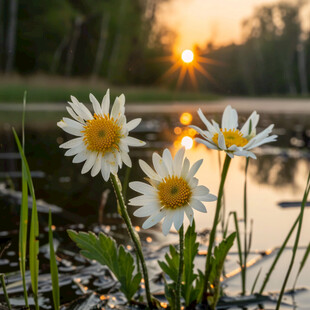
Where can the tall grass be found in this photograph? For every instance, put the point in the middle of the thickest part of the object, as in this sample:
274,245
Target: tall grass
53,265
295,248
23,226
34,228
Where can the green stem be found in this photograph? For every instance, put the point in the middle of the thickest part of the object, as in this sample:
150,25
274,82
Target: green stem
215,222
245,217
5,293
181,263
134,236
295,248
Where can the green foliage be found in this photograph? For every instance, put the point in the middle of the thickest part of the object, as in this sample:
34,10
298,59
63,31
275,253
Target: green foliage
192,283
302,264
23,225
34,228
53,265
217,264
2,281
104,250
190,292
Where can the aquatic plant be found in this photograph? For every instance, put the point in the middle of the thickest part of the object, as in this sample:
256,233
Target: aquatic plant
173,191
233,142
103,143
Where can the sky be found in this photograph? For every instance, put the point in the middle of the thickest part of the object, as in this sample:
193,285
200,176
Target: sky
197,21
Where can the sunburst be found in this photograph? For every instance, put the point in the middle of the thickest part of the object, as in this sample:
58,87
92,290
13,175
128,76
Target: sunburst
188,63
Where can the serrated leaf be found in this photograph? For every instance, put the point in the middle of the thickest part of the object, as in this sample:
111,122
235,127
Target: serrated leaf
190,252
104,250
171,266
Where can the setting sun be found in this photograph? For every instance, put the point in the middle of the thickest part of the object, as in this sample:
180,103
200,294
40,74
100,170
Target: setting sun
187,142
187,56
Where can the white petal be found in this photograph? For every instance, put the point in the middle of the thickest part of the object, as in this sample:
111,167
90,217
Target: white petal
153,219
89,162
96,105
105,170
142,188
193,182
159,166
198,205
142,200
167,158
116,109
208,198
97,166
178,161
221,141
190,214
200,191
245,153
70,130
84,112
146,210
126,159
185,168
75,150
105,105
194,169
254,118
230,118
207,144
148,170
133,123
178,218
80,157
206,122
75,116
133,141
168,222
71,143
74,124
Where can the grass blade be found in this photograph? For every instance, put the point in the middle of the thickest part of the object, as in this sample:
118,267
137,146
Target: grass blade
255,281
5,293
302,264
268,274
23,226
295,248
241,263
53,265
34,228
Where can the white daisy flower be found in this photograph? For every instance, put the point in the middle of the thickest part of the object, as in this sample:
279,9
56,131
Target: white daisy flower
102,138
173,190
229,138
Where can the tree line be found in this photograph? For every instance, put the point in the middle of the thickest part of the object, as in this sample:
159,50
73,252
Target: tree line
120,40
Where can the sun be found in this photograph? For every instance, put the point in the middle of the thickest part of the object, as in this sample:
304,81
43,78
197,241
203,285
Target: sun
187,56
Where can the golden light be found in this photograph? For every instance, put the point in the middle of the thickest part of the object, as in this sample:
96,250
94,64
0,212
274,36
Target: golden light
187,142
187,56
186,118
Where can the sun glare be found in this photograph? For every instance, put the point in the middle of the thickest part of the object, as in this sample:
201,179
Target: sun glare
187,56
186,118
187,142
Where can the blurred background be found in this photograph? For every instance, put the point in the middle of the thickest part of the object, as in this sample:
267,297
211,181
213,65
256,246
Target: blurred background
240,47
169,58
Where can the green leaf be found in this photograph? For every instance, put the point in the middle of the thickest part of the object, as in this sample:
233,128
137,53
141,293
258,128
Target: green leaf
171,266
34,228
302,264
217,264
23,225
53,265
104,250
190,252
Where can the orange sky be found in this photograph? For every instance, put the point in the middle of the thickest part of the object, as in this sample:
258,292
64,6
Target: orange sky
197,21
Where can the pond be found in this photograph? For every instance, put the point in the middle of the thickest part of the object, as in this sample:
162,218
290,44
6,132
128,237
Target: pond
276,181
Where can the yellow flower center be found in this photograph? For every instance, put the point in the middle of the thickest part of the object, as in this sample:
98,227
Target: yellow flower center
101,134
232,137
174,192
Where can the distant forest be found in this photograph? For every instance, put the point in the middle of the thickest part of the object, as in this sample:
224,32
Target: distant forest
120,40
